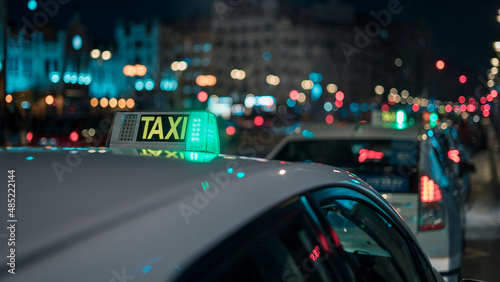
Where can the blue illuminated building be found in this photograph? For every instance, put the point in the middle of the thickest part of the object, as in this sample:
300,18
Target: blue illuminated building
33,62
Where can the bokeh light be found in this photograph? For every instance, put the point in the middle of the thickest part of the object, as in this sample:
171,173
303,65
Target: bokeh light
130,103
307,84
329,119
230,130
339,96
103,102
379,89
302,97
331,88
258,120
328,106
49,99
202,96
440,65
113,102
494,62
73,136
122,103
398,62
106,55
294,95
95,53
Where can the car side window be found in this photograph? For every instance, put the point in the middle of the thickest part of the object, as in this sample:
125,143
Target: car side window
376,250
268,250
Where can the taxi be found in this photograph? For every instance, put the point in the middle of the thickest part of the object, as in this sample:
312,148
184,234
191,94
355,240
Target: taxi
407,165
162,204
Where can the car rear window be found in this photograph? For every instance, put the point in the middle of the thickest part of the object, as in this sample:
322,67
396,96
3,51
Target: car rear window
386,165
352,153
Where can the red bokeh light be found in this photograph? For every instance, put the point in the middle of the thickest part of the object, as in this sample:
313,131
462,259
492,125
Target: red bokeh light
462,79
454,155
294,95
385,108
329,119
230,130
440,65
494,93
339,103
365,154
471,108
489,97
415,107
258,120
486,113
463,108
202,96
29,136
448,108
73,136
461,99
483,100
339,95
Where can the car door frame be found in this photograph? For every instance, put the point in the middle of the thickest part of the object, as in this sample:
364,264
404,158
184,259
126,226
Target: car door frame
294,204
385,210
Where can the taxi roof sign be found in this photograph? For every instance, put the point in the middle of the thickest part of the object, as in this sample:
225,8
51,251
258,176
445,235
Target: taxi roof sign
186,131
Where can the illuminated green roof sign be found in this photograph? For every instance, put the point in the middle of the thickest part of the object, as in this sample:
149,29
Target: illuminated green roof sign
187,131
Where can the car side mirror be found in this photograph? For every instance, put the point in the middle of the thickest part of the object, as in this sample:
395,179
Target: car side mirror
467,167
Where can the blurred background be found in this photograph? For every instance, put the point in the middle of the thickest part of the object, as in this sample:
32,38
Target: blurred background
266,68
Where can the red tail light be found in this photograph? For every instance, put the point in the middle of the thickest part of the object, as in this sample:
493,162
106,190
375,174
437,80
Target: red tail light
365,154
431,210
454,155
429,191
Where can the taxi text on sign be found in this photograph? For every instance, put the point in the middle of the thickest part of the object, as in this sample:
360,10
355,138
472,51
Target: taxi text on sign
166,128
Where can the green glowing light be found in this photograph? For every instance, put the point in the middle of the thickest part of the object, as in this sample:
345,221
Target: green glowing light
202,133
433,118
205,185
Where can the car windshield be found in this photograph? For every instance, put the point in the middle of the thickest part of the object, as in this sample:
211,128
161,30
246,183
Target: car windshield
352,153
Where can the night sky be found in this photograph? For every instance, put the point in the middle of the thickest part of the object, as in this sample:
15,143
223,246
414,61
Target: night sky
462,30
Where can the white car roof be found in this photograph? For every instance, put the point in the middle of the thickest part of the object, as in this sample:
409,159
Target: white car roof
77,209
